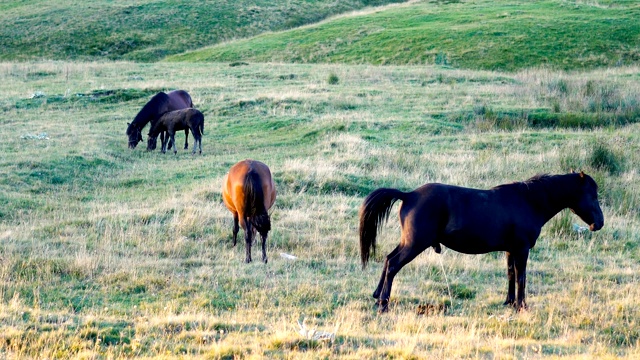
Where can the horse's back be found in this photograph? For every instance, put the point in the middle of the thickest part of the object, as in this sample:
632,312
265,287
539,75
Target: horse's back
233,191
180,119
179,99
468,220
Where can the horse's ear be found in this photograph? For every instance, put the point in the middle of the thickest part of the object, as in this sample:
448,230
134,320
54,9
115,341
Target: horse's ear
128,123
582,174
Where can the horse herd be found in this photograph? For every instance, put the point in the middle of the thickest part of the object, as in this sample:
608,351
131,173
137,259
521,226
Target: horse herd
506,218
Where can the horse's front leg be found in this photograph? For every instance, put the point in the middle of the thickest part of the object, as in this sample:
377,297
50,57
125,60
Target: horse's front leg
511,276
173,140
520,264
170,143
164,139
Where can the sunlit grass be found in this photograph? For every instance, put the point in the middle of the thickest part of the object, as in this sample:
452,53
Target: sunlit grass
108,252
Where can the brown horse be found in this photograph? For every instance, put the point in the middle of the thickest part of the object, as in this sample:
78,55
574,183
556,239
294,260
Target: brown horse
172,121
505,218
152,110
248,192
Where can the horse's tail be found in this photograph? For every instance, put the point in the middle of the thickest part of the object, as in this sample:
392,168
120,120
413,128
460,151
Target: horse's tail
201,124
373,213
254,202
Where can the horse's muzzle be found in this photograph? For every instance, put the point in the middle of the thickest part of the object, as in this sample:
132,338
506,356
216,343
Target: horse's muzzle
596,226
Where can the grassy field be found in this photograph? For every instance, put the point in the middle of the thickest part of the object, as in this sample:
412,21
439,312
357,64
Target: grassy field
147,30
474,34
113,253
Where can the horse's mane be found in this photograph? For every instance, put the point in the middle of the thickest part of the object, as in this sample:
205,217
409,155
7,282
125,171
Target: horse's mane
538,179
148,110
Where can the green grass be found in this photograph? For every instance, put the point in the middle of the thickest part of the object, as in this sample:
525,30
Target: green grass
113,253
146,30
474,34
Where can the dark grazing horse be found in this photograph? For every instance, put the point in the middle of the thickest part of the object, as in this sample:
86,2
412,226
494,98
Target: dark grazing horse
172,121
505,218
159,104
248,192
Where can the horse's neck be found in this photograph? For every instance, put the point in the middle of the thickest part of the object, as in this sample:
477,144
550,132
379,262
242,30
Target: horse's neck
141,120
155,129
554,195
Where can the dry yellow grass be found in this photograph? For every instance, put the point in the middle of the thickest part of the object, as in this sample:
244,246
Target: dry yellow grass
112,253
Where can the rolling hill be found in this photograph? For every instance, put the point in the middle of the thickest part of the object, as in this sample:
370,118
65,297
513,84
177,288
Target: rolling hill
465,34
146,30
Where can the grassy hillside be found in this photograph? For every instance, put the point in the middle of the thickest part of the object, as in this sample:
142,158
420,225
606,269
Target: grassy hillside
111,253
146,30
474,34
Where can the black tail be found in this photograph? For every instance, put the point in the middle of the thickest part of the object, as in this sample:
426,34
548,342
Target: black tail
254,203
373,213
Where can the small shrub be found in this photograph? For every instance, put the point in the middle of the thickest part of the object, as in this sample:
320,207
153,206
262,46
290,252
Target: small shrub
605,159
441,59
333,79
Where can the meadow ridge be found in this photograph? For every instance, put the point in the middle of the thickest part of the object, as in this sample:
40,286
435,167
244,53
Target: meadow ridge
476,34
113,253
147,30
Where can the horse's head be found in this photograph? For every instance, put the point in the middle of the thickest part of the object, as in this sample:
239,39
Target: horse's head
586,205
152,142
135,135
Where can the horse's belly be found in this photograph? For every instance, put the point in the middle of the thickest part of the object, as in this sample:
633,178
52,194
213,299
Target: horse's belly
472,243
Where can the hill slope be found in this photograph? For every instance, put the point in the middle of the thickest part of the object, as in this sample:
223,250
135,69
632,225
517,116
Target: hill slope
146,30
471,34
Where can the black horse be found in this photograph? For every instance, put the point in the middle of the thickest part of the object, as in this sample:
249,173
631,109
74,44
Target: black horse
172,121
152,110
506,218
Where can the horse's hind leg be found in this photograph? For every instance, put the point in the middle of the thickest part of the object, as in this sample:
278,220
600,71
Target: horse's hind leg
376,293
236,228
511,276
263,235
406,253
186,138
198,140
248,233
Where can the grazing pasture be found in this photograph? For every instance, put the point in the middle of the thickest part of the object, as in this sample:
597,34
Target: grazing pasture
109,252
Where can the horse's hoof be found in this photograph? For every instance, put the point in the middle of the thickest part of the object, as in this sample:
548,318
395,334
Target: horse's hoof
510,302
383,306
522,307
